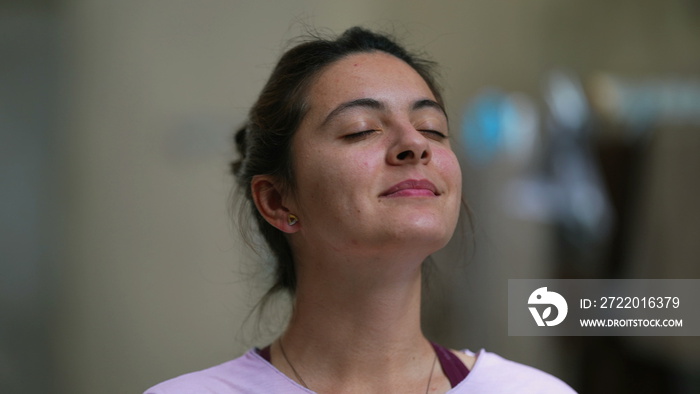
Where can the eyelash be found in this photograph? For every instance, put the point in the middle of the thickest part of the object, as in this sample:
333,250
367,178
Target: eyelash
359,135
440,135
366,133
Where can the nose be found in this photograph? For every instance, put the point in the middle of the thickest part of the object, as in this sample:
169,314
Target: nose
409,147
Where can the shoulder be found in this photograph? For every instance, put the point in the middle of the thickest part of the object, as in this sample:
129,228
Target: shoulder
246,374
492,373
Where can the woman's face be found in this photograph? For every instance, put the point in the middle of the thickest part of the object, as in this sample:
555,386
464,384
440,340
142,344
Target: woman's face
373,166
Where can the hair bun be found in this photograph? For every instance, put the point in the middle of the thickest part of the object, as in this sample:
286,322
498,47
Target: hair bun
241,145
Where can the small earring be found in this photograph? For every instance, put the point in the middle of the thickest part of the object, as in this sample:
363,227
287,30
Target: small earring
292,219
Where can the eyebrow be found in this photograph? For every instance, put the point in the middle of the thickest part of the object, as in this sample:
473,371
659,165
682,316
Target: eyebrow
427,103
377,105
363,102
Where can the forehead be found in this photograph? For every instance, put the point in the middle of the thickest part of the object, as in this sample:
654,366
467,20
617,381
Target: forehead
377,75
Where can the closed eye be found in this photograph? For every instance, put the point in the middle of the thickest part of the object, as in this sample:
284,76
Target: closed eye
434,134
359,135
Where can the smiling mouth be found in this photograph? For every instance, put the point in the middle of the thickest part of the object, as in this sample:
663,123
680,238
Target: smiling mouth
412,188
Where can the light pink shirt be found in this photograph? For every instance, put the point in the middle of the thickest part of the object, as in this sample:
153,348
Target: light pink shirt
250,373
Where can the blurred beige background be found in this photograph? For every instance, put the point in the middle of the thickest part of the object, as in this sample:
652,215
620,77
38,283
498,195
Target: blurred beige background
142,275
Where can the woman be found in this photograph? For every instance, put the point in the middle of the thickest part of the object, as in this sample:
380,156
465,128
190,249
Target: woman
348,165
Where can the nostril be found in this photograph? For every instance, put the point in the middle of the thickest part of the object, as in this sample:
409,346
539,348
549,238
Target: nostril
424,155
404,155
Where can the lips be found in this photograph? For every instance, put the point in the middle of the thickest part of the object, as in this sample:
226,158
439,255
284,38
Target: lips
412,188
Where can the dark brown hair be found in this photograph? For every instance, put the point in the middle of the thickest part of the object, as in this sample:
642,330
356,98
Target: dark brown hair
264,142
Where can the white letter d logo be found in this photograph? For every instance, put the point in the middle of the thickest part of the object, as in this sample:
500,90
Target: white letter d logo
543,297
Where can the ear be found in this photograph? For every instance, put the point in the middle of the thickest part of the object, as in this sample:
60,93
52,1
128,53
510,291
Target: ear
269,200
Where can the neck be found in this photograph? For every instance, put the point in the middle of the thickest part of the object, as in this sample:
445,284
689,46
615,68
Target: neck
356,326
363,314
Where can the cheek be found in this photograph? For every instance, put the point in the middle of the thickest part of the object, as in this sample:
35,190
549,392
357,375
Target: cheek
330,178
447,163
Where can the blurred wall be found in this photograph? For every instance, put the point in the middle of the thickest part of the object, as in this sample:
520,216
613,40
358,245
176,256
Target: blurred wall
27,89
152,278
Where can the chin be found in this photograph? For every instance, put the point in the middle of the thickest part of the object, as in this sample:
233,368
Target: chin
430,236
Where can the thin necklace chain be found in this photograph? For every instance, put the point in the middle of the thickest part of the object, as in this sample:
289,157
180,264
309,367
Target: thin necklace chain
284,354
290,364
432,369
